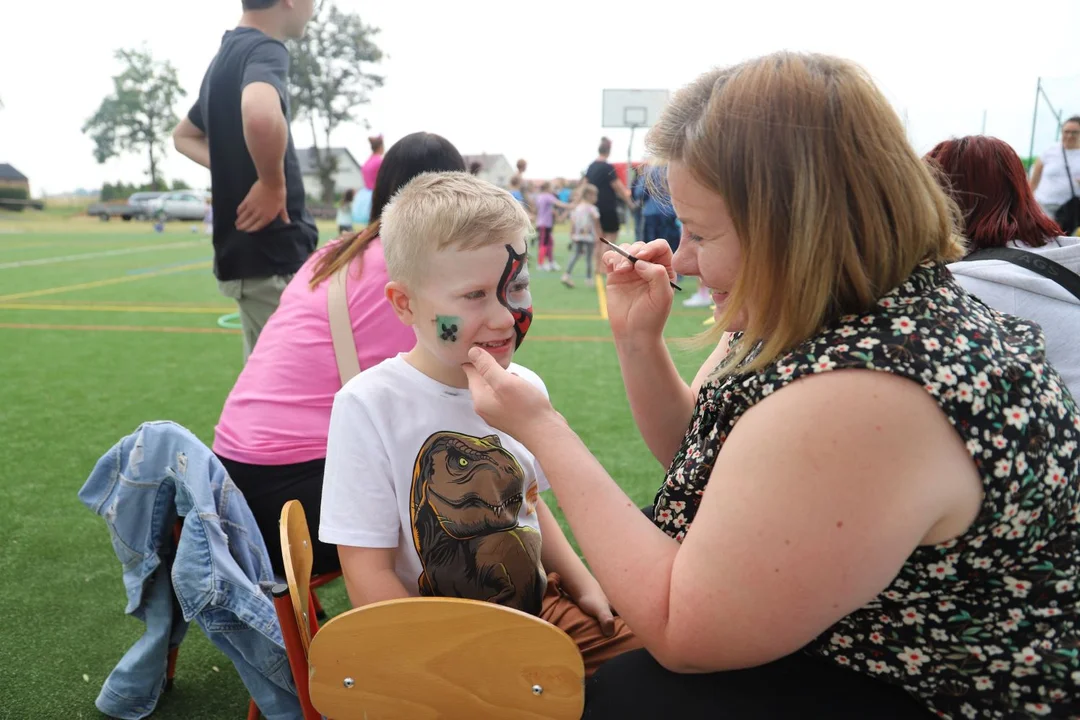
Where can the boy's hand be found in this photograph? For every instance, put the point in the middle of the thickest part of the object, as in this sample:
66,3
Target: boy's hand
595,603
504,400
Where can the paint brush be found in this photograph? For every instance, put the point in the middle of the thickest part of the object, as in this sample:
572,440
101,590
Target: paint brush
631,258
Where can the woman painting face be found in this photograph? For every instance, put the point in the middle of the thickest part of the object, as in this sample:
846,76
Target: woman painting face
710,248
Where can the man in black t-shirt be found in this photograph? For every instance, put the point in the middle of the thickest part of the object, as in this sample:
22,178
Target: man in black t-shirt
609,187
239,129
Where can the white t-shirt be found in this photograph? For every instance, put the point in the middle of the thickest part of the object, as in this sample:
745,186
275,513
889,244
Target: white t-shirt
1054,184
582,223
1021,292
410,465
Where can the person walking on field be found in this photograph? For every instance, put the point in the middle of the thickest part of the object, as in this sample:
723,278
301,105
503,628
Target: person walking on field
601,174
239,129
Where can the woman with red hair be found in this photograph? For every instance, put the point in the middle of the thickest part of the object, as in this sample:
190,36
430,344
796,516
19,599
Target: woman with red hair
985,177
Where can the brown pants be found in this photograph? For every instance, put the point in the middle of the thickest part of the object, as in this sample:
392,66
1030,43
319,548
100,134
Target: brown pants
596,648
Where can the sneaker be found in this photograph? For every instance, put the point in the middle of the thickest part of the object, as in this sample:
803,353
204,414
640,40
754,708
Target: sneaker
567,281
697,300
554,265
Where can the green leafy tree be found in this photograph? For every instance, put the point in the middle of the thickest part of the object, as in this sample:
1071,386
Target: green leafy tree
328,81
138,115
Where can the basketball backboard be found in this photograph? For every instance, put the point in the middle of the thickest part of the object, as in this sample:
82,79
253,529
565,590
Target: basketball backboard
633,108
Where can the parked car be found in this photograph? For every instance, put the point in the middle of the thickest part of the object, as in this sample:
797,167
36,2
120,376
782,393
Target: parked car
178,205
141,199
121,209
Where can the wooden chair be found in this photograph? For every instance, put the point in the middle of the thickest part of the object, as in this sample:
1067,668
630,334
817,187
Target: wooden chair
421,657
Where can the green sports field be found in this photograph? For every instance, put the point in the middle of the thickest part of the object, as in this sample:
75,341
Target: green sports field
106,325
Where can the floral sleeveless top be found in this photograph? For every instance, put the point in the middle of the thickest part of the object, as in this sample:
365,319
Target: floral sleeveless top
984,625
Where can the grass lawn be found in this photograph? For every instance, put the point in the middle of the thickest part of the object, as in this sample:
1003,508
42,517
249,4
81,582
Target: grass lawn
106,325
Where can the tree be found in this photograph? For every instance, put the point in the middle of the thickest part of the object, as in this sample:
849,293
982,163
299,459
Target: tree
327,81
138,116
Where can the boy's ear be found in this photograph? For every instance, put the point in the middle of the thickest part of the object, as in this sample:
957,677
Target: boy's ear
398,295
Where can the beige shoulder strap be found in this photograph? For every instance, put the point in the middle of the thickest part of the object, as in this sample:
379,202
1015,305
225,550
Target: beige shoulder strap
341,332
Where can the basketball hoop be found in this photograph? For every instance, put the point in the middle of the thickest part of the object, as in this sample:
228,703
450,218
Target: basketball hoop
632,109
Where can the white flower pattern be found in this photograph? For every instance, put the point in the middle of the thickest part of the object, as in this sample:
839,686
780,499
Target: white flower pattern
994,595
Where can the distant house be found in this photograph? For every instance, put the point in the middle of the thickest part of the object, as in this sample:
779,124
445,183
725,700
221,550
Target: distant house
12,178
496,169
347,176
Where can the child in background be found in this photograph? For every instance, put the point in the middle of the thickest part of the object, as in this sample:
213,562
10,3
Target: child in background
421,495
584,231
546,202
566,193
344,213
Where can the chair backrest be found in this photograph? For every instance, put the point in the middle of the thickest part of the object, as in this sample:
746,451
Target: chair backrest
297,557
444,657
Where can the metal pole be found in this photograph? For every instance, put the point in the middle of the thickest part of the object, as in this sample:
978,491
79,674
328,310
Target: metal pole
983,132
1034,119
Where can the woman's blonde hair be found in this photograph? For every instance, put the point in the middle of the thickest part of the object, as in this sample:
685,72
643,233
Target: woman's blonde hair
832,206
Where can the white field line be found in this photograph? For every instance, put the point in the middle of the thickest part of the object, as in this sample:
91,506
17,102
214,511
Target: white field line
103,253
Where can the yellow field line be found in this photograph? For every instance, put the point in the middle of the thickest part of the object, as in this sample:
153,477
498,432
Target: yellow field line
189,310
103,283
119,308
224,331
601,296
89,304
120,328
26,246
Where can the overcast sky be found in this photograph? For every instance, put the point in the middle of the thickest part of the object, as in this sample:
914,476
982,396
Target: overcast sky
526,80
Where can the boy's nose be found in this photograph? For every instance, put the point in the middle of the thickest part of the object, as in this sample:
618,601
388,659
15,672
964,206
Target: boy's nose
501,319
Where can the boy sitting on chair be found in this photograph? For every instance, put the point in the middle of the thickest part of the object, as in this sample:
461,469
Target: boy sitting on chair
420,495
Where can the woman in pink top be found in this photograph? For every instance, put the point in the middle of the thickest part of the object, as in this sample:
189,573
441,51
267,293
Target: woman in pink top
371,166
272,433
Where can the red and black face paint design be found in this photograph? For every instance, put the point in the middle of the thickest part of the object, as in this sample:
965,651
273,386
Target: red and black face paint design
513,292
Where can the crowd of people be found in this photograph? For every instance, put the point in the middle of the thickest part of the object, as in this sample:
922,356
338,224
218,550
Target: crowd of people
868,494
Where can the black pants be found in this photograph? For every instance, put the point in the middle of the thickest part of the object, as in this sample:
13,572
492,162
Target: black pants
268,487
634,685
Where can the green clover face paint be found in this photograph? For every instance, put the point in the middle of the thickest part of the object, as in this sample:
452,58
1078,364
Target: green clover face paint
447,327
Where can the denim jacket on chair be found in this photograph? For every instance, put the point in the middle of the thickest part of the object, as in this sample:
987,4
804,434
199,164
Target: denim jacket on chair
220,575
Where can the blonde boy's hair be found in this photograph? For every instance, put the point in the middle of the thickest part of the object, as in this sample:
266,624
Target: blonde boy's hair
590,193
832,206
446,210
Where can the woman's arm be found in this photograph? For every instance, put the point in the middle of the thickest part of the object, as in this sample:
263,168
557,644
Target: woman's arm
1036,174
813,505
622,192
660,400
